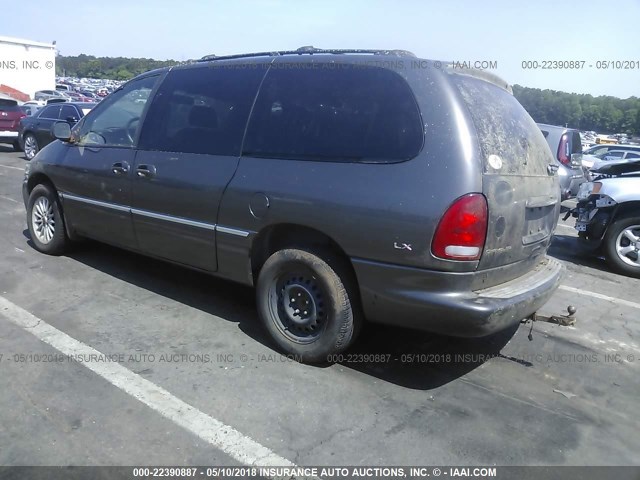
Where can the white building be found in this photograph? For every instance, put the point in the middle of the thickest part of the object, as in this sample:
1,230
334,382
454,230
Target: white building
26,66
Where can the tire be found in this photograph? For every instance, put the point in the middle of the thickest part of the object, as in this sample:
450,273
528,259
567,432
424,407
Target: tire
45,221
16,147
321,282
31,147
621,245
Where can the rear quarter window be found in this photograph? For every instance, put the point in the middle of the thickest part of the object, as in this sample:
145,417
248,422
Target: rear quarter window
361,114
504,128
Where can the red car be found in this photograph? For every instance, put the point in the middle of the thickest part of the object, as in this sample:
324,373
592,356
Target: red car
10,115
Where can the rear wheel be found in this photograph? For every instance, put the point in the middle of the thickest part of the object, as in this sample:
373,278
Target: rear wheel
307,302
44,220
31,146
622,245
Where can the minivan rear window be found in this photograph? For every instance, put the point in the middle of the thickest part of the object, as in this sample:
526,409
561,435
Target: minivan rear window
351,113
504,128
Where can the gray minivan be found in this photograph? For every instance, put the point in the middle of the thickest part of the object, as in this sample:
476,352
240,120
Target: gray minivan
566,145
344,185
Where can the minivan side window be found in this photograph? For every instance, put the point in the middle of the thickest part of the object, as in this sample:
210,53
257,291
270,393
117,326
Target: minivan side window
115,121
350,113
202,110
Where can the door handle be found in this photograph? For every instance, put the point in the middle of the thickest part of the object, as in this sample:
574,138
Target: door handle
120,168
145,171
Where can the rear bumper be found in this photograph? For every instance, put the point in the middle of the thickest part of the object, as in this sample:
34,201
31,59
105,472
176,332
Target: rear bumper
438,302
8,136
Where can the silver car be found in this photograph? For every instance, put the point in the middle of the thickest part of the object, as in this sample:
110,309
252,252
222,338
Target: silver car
608,215
49,94
566,148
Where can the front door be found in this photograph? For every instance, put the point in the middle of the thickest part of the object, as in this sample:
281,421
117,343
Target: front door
95,178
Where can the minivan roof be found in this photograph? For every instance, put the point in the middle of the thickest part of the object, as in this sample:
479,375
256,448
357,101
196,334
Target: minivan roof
310,50
385,53
352,54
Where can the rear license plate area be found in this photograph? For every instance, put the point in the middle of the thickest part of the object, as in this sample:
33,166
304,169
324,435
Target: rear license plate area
539,223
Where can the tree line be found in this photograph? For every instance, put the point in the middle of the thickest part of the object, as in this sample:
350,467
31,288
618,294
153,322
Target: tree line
113,68
604,114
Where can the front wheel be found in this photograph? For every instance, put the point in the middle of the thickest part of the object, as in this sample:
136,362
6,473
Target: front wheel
307,301
45,222
31,146
622,246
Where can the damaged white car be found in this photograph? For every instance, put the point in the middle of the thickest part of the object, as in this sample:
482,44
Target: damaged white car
608,215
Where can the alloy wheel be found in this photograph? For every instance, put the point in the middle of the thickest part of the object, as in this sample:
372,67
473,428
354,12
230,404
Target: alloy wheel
43,220
628,245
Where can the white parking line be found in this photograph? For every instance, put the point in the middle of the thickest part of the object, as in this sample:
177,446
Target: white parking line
4,197
227,439
14,168
619,301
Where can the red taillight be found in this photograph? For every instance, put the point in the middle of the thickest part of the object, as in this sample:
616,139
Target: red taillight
564,156
462,230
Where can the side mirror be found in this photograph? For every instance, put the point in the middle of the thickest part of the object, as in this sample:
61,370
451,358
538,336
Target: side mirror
61,131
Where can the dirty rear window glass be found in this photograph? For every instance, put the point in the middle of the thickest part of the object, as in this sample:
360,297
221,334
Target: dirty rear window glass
504,128
335,114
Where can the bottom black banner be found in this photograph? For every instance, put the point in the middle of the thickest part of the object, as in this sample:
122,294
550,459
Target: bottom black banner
327,472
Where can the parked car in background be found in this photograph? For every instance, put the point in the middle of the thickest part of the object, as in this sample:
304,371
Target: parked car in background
35,131
48,94
608,215
58,100
596,161
30,109
605,140
62,87
78,97
566,147
239,171
90,95
599,149
10,116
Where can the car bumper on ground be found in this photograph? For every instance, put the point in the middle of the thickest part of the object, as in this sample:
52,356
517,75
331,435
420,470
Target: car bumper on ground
8,136
592,223
429,300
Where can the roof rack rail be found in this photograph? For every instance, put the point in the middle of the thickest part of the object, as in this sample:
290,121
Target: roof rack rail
309,50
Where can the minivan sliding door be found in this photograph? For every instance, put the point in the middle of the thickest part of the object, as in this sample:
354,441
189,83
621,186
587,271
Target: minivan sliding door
189,151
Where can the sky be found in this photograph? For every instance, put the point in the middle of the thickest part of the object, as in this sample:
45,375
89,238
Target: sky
506,32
